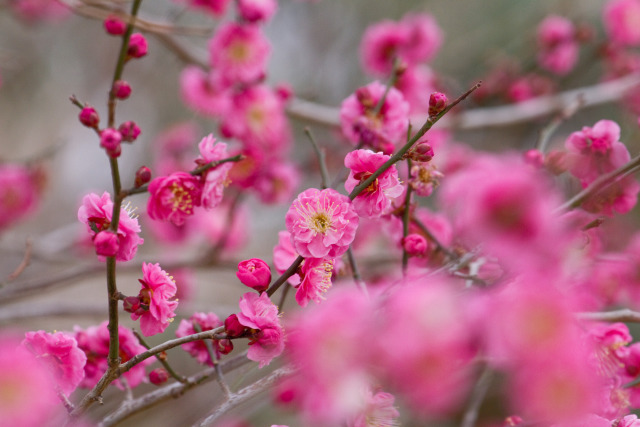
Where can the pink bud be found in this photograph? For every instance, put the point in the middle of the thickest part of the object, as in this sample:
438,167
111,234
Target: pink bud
437,103
255,274
421,152
224,346
114,25
106,243
233,327
415,245
512,421
131,304
284,91
137,46
158,376
89,117
143,175
129,131
534,158
121,89
110,140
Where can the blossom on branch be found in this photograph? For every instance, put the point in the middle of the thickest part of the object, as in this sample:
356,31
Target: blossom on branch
174,197
215,178
198,349
157,303
260,315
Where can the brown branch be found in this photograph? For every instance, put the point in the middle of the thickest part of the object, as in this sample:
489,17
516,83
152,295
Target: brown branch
623,315
25,261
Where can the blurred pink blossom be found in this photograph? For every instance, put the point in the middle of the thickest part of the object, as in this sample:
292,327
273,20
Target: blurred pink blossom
198,349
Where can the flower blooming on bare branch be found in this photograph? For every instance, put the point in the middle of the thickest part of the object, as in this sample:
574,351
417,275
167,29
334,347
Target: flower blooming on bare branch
157,300
322,223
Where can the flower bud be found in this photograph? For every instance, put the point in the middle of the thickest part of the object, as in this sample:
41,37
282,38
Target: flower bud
121,89
255,274
143,175
131,304
110,140
158,376
106,243
129,131
89,117
114,25
421,152
534,158
437,103
137,46
415,245
224,346
233,327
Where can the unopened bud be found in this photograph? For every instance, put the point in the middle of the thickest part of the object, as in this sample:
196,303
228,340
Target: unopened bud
421,152
106,243
121,89
131,304
415,245
254,273
137,46
129,131
89,117
224,346
143,176
534,158
233,327
437,103
114,25
110,140
158,376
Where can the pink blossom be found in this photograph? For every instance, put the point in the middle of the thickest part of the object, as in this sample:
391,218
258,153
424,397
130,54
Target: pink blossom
114,25
415,244
254,273
19,193
257,10
157,297
260,314
376,199
425,38
60,353
257,118
322,223
22,377
215,8
380,130
284,254
40,10
94,341
95,212
415,83
174,197
424,178
198,349
621,18
557,44
277,181
380,46
158,376
629,421
315,274
239,52
138,46
378,411
215,179
203,92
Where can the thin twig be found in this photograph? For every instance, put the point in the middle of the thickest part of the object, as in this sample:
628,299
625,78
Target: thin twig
477,397
356,273
214,360
623,315
433,238
160,359
321,158
246,394
405,223
562,116
293,269
603,181
25,261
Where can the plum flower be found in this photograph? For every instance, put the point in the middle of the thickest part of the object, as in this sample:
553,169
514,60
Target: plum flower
173,198
156,297
376,199
239,52
284,254
60,353
198,349
558,46
203,92
261,315
18,193
378,128
95,213
215,178
621,19
322,223
315,276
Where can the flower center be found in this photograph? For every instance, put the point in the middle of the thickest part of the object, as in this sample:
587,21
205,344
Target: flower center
181,199
320,222
239,51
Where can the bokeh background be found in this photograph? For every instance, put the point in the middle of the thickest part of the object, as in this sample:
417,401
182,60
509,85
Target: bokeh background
315,50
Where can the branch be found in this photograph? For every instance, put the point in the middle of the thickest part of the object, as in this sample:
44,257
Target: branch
623,315
24,263
601,93
246,394
477,396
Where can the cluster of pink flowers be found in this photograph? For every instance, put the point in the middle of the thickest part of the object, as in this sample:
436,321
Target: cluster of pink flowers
198,349
557,44
174,197
96,213
19,193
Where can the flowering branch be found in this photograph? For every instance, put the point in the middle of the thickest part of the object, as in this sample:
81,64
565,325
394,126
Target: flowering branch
623,315
432,120
246,394
293,268
212,355
162,360
604,181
